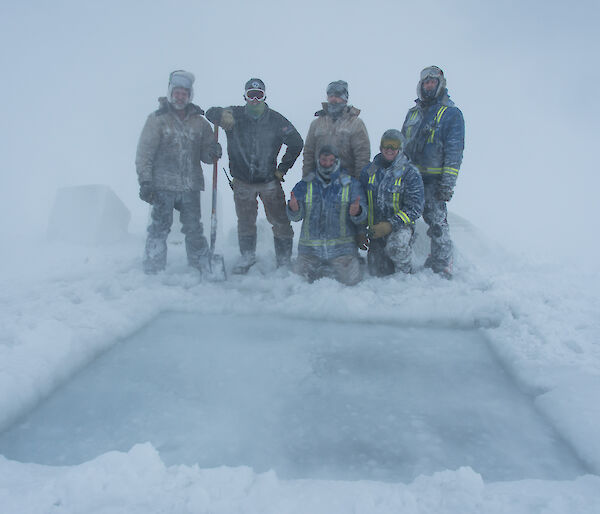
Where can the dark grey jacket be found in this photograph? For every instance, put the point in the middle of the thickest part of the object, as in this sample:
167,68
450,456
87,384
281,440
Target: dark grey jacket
170,150
254,143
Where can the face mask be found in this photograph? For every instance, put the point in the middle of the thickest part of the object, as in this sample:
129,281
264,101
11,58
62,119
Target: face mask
325,173
255,110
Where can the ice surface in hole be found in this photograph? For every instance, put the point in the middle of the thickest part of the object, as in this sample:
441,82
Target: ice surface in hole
309,399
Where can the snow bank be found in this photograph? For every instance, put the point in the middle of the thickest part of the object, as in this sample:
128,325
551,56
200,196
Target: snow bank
59,311
139,482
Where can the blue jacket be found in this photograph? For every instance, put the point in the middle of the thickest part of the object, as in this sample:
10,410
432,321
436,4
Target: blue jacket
435,139
328,230
395,193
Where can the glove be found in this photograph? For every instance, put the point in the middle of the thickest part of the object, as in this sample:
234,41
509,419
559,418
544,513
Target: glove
362,241
227,120
380,229
215,152
280,173
444,194
147,192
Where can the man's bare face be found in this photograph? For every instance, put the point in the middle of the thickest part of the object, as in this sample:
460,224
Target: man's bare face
326,160
180,97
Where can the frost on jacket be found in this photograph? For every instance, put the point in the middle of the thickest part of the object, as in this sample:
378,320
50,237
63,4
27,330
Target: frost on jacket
347,134
435,139
328,230
170,150
394,193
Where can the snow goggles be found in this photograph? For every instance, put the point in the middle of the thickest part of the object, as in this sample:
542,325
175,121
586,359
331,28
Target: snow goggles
432,72
254,94
390,145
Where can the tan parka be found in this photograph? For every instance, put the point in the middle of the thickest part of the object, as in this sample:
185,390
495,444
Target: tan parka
347,133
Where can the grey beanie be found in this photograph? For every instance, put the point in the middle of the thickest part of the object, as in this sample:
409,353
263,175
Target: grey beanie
393,135
181,78
338,88
329,150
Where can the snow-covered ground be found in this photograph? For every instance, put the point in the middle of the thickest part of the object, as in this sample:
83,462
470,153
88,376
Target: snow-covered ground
64,305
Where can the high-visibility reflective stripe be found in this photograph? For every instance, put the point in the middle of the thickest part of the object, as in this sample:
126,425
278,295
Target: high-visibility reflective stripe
308,197
451,171
411,118
326,242
437,119
430,171
439,114
404,217
370,215
396,196
344,209
307,209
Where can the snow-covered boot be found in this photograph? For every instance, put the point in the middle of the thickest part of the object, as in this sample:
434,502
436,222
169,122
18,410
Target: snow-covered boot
442,269
155,255
283,251
248,257
244,263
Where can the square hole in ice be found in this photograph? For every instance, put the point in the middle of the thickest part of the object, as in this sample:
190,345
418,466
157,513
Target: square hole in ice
309,399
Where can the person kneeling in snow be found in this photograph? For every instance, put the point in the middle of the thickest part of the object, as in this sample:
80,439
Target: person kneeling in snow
331,204
395,201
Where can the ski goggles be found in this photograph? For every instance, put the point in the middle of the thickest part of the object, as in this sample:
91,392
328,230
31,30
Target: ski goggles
254,94
390,145
432,72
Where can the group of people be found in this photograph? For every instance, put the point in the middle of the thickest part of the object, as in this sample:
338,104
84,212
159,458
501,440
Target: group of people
345,201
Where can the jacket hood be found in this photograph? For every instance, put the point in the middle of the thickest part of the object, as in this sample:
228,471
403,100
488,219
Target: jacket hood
443,99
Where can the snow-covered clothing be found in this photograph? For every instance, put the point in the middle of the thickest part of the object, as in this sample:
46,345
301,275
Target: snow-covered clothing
170,150
347,133
253,144
344,269
435,215
168,164
435,139
188,204
328,230
435,134
395,195
394,192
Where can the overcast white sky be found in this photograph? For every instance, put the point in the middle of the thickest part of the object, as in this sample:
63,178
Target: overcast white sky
80,77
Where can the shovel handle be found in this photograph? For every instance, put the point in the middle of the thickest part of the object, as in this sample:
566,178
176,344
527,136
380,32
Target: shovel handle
213,213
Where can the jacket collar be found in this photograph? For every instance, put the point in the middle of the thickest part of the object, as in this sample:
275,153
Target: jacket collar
396,168
350,111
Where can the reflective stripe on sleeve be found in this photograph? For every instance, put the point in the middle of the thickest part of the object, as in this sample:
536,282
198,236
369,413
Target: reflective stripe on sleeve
344,209
450,171
370,214
307,209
